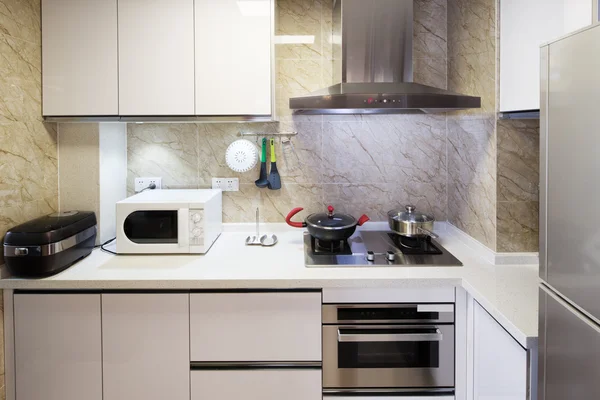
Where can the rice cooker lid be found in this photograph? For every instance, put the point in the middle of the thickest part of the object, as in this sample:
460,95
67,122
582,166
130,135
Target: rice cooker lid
50,228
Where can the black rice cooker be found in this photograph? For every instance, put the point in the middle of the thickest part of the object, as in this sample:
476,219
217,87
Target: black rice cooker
48,245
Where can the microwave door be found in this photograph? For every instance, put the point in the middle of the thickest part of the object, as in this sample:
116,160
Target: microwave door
156,232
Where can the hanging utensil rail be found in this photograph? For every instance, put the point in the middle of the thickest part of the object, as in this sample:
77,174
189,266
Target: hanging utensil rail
288,134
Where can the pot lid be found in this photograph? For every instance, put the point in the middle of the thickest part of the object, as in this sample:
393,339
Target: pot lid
330,220
410,215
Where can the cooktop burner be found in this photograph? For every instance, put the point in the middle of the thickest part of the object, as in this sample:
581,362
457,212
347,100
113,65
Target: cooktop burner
416,245
377,248
329,247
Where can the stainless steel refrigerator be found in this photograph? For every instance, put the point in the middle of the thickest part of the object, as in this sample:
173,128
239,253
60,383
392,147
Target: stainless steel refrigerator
569,343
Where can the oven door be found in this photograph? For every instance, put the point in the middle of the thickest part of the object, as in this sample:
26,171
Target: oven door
388,357
153,230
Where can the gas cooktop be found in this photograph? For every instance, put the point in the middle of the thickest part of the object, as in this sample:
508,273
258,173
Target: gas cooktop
378,249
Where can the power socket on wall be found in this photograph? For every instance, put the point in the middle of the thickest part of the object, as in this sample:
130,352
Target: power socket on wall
143,183
226,184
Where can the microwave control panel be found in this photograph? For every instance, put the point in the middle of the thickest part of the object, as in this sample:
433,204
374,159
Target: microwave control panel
196,227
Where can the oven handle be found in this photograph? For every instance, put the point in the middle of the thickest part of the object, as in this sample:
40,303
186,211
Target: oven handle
389,337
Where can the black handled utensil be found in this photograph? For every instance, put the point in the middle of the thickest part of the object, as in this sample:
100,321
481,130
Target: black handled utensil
262,180
274,178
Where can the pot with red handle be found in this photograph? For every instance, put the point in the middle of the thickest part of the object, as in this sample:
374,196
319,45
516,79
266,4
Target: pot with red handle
327,226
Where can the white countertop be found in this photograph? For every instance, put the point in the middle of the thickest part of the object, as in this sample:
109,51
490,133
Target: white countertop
508,292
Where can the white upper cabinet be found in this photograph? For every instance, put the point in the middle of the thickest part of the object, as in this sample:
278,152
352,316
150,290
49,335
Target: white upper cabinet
156,57
233,57
79,58
524,26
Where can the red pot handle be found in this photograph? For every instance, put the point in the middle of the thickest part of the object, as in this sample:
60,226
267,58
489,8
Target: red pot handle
363,219
289,221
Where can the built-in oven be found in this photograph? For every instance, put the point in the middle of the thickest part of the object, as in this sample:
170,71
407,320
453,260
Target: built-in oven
388,348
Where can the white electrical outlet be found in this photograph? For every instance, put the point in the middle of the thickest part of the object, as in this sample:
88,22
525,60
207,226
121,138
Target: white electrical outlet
143,183
226,184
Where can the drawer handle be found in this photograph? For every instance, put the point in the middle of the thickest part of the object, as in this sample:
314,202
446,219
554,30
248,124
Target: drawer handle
244,365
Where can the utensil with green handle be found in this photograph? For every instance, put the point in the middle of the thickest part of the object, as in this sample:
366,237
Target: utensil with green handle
274,178
262,180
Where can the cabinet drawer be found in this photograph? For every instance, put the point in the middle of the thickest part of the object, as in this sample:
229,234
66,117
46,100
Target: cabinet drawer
256,384
255,326
432,397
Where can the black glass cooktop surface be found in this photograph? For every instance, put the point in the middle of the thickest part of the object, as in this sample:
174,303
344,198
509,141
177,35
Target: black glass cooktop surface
377,248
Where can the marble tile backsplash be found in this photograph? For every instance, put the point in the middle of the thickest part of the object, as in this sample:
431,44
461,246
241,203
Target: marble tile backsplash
493,165
518,185
472,133
371,164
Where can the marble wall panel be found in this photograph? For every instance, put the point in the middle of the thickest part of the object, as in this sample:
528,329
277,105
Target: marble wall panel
301,18
471,27
79,187
169,151
274,205
387,149
518,160
518,226
472,177
472,147
21,19
518,185
430,33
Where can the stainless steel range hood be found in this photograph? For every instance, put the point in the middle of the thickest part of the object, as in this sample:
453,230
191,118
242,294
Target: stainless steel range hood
372,52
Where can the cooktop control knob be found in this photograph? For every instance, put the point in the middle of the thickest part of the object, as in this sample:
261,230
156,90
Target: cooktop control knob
370,256
196,217
391,257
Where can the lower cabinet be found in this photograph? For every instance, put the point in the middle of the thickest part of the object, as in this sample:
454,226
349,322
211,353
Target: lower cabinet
58,347
500,364
146,346
268,384
121,346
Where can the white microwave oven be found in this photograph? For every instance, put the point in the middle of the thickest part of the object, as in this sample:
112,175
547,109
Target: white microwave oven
169,222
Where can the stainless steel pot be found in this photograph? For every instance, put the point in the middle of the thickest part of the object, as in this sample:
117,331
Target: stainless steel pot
410,223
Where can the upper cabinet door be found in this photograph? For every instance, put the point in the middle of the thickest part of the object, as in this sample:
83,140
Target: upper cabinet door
524,26
79,58
156,57
233,57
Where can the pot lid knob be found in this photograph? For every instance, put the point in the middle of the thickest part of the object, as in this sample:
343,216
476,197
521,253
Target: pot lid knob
410,209
330,211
